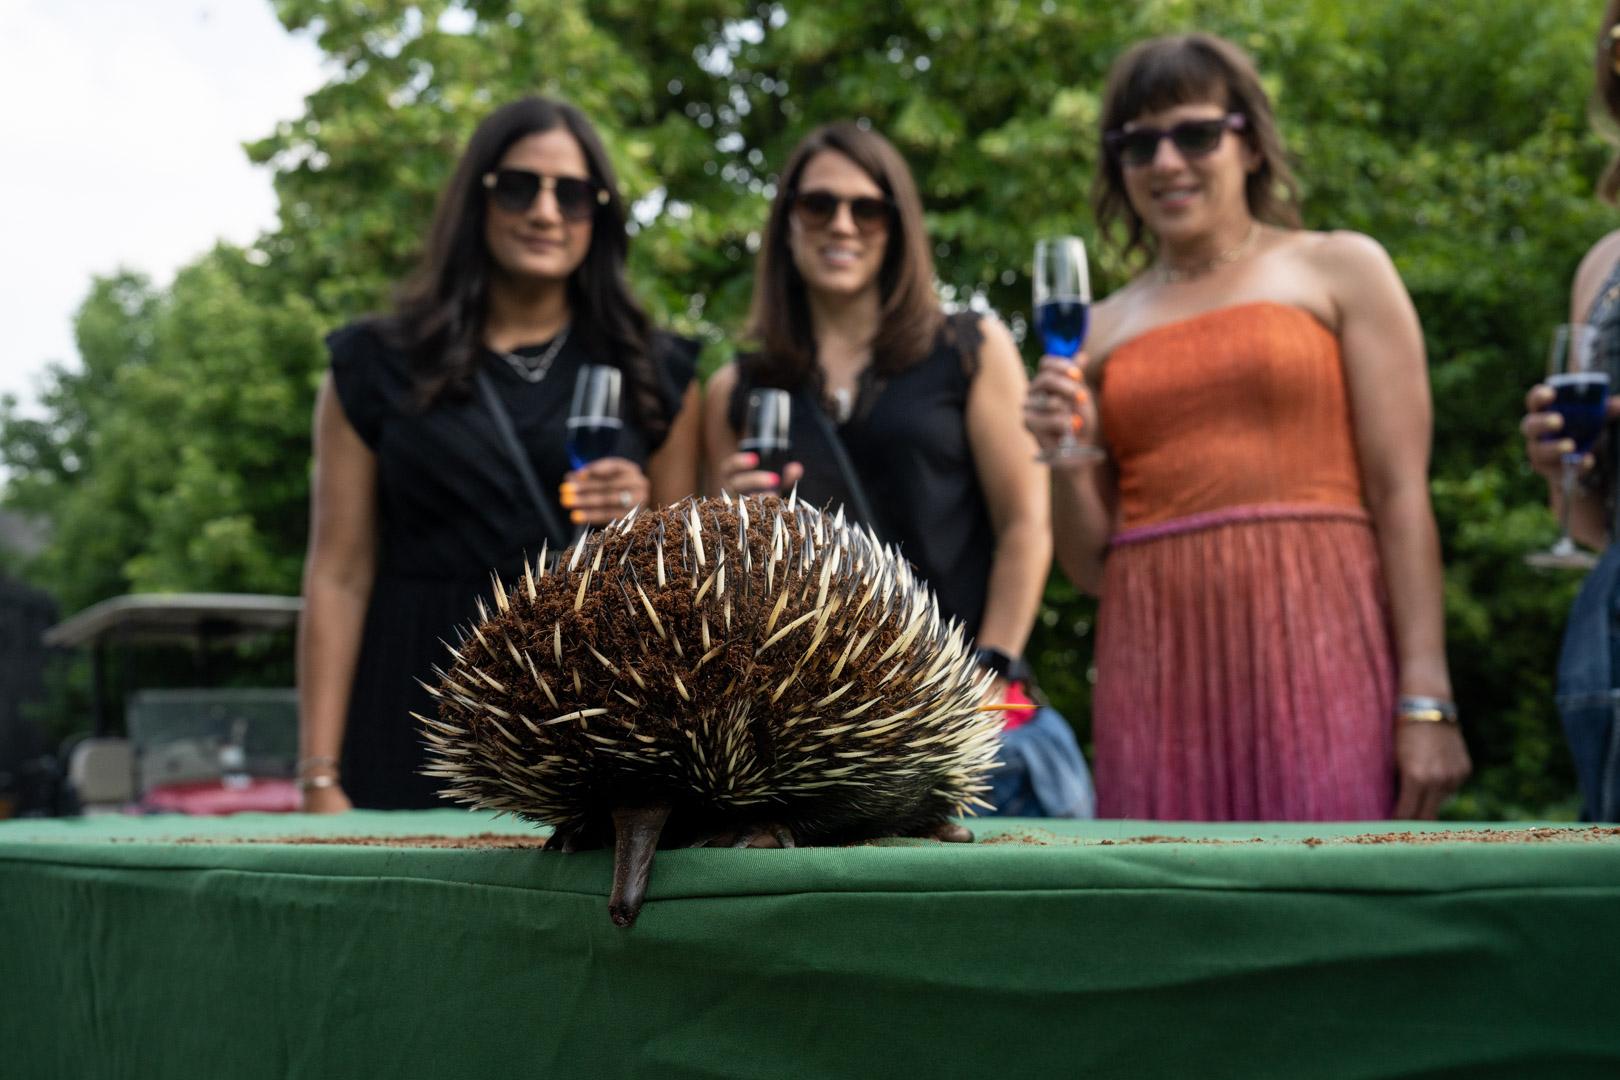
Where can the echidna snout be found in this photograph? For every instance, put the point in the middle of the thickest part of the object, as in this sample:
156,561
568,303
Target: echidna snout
750,668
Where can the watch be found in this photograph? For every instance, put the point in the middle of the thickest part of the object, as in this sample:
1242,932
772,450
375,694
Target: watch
1011,668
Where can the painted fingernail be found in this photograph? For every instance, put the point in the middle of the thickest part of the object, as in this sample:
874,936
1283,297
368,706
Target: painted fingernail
567,498
752,459
577,517
773,479
1555,422
1078,424
1081,396
1566,446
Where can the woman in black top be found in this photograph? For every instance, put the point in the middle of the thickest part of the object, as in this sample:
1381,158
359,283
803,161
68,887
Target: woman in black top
418,496
926,406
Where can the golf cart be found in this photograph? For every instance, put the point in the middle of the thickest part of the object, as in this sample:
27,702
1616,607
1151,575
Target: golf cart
204,749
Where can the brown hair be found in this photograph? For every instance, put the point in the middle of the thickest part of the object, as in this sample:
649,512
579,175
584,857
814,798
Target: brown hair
779,316
1606,100
1180,69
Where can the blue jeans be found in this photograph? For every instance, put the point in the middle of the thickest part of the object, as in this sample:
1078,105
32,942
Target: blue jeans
1589,688
1040,771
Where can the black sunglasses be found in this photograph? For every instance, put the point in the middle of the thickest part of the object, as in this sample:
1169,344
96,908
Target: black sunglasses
816,209
514,190
1192,138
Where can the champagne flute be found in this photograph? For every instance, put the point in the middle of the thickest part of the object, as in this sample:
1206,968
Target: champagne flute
594,418
1062,309
1581,387
765,428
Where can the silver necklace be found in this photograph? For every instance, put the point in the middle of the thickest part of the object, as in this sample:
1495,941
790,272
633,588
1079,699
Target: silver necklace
1170,275
534,371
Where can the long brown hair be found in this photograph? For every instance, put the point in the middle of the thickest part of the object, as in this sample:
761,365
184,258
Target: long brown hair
440,310
1606,100
779,317
1180,69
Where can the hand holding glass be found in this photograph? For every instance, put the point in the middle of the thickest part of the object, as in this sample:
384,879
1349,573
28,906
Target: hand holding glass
766,427
594,419
1062,310
1580,386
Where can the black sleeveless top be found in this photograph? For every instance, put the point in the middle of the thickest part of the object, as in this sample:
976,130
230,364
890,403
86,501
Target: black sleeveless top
451,508
907,441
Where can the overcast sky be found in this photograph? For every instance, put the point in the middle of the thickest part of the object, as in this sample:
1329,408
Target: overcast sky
121,145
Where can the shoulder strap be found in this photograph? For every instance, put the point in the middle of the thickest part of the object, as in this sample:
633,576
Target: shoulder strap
846,469
549,517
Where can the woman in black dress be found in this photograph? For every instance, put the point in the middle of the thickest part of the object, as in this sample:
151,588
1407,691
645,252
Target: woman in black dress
418,494
924,406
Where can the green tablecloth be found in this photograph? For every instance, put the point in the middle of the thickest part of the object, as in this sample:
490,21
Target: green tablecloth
124,953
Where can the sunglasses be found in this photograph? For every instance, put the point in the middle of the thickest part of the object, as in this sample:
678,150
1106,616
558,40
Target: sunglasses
816,209
1192,139
514,190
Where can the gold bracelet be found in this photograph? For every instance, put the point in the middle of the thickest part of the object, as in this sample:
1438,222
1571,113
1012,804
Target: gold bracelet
1425,716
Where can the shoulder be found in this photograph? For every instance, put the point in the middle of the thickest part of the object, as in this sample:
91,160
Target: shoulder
368,372
1354,279
677,355
723,381
1109,317
992,344
1341,252
1594,270
360,340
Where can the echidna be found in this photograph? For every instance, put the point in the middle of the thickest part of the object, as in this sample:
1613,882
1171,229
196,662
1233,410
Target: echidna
753,672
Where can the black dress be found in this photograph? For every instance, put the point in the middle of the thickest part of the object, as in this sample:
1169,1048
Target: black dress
907,441
452,508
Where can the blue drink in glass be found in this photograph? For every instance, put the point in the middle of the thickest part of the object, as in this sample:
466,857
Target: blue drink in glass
592,438
1062,326
1582,399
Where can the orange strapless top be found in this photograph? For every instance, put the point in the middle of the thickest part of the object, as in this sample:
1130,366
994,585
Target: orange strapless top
1242,406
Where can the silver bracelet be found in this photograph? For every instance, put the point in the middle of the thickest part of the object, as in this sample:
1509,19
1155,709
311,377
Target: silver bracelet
310,783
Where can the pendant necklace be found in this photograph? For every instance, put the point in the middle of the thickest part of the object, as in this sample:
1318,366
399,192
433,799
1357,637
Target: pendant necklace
535,369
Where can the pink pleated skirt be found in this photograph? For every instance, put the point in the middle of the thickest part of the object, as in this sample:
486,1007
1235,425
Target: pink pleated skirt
1245,670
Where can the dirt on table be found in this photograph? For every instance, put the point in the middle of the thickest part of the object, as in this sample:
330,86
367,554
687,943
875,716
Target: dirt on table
1535,835
488,841
491,841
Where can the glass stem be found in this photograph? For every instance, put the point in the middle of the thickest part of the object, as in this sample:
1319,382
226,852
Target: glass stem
1571,470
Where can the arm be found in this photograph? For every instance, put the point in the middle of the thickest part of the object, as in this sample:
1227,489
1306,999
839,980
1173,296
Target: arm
607,488
1085,494
673,470
1387,376
1014,488
1587,521
338,573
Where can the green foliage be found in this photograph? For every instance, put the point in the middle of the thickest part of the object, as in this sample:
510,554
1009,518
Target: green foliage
1455,134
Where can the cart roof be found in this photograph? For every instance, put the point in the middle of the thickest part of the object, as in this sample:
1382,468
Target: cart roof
178,617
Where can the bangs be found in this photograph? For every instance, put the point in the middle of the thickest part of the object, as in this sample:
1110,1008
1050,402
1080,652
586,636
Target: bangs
1164,74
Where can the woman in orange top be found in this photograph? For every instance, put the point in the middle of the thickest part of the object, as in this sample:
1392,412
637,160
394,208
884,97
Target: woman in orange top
1271,639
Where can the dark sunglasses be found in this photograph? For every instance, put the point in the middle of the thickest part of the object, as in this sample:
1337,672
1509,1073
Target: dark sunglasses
1192,139
514,190
816,209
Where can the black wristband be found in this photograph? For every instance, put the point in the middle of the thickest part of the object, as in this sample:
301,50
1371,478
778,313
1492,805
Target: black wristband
1011,668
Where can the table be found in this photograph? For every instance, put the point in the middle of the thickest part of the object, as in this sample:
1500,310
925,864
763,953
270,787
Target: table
186,947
